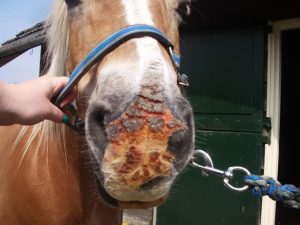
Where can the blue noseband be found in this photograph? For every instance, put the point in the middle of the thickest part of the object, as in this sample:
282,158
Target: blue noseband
109,44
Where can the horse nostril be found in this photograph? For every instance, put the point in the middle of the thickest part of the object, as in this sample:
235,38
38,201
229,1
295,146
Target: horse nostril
98,118
96,121
98,114
177,140
150,183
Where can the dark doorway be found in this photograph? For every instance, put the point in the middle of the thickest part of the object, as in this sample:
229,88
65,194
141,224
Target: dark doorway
289,160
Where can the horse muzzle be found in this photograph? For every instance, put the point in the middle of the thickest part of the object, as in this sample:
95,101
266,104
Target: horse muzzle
138,162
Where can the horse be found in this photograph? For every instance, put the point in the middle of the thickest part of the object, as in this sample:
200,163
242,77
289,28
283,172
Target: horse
138,126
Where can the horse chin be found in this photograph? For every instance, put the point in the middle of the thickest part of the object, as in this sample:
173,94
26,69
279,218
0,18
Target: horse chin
115,203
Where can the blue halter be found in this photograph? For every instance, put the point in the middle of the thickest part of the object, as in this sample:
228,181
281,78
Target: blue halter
109,44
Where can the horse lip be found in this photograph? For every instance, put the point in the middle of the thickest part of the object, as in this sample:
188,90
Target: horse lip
127,204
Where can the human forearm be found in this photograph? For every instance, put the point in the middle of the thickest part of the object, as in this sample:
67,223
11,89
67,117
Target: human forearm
28,103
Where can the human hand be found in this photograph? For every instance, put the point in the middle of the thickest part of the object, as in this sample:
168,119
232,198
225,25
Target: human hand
29,102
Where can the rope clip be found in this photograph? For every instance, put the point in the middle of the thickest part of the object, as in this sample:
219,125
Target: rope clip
209,169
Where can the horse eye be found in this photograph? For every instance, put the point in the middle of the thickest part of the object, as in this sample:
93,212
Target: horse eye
184,7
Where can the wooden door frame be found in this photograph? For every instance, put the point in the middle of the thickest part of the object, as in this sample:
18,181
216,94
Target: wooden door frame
273,109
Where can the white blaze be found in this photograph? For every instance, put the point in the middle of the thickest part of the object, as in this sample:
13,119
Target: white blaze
138,12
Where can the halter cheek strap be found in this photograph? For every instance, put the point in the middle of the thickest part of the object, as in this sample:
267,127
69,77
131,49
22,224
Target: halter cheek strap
109,44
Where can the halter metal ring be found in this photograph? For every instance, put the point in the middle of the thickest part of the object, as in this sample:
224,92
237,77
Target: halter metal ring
229,174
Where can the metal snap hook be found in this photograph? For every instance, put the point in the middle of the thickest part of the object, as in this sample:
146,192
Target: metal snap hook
208,169
207,160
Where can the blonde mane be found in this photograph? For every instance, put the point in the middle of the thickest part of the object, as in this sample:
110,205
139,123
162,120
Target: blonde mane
57,43
57,38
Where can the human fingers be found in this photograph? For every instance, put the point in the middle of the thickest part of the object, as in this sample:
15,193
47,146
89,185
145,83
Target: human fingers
57,85
69,98
54,114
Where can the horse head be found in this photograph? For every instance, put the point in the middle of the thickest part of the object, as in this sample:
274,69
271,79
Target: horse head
138,125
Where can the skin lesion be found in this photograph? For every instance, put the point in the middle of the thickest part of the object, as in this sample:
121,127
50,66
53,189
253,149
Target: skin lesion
138,140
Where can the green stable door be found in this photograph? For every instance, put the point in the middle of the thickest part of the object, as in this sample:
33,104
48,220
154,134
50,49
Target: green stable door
226,74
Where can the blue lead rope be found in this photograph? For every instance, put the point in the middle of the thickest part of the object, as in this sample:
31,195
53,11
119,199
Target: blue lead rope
261,186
